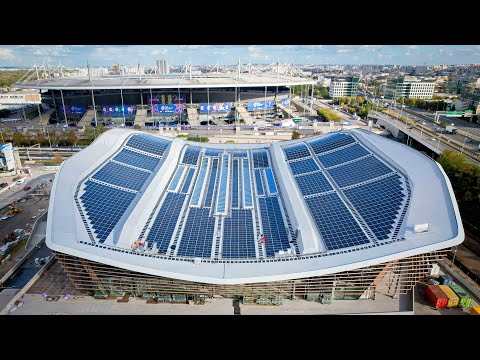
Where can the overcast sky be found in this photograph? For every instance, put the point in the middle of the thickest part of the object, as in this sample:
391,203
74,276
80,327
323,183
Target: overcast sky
129,55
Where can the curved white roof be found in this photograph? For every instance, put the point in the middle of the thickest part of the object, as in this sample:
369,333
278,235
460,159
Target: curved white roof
232,214
149,82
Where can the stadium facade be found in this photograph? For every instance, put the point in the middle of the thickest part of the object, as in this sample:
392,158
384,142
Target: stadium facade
153,99
333,214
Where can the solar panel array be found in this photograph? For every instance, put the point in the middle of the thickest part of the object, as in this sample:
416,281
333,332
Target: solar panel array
148,143
343,155
164,225
349,164
123,176
198,234
274,229
104,206
359,171
330,142
296,151
191,155
303,166
213,152
235,182
336,159
260,158
379,203
335,223
211,183
238,235
313,183
137,159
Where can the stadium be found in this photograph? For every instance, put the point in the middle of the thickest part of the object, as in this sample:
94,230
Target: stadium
331,215
153,100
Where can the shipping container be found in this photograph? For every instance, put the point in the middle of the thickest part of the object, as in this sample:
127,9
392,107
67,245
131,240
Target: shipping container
433,282
475,310
435,296
445,279
453,299
465,300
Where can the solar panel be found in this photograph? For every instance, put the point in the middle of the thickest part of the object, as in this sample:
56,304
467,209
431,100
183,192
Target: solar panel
296,151
303,166
272,187
104,206
163,227
343,155
378,203
136,159
260,158
335,223
274,228
259,182
314,183
247,186
239,235
176,178
188,180
222,188
197,191
148,143
211,183
330,142
198,234
213,152
191,155
235,184
359,171
239,154
121,175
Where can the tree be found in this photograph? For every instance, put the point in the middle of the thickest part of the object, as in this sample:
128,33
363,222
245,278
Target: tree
89,132
18,138
328,115
295,135
72,138
57,159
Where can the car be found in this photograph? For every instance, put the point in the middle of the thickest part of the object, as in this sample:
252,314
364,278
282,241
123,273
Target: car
26,188
471,141
20,181
2,185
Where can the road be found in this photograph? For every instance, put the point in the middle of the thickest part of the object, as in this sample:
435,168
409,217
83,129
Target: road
459,123
16,192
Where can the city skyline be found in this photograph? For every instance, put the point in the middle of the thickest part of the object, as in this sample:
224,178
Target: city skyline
131,55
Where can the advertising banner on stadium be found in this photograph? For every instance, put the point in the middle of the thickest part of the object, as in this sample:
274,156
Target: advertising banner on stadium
286,102
259,105
7,151
167,108
117,109
167,99
215,107
71,109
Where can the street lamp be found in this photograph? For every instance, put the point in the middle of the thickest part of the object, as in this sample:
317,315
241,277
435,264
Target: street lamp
463,145
440,139
421,131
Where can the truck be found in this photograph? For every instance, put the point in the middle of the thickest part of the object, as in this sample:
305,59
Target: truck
451,129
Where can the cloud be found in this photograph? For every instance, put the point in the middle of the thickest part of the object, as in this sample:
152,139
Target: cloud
370,48
413,47
55,50
192,47
314,47
6,54
256,53
343,51
158,52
